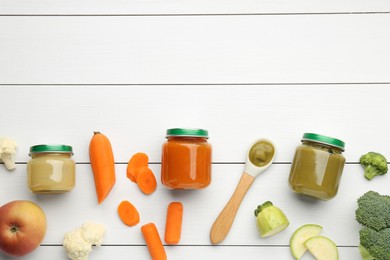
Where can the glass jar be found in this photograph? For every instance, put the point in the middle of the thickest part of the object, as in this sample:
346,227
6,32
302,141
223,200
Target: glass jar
317,166
51,169
186,159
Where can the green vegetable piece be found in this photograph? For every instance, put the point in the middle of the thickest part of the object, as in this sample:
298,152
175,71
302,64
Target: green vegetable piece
373,213
270,219
364,253
262,207
322,248
374,164
376,243
373,210
299,237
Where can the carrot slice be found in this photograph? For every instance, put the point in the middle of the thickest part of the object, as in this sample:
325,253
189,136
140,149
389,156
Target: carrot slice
173,223
103,165
138,160
128,213
146,180
153,241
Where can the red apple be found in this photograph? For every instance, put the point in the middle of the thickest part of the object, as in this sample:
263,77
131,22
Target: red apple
22,227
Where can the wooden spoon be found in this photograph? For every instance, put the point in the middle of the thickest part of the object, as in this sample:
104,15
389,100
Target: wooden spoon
259,157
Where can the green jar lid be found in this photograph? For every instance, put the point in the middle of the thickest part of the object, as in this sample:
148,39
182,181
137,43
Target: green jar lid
188,132
324,140
45,148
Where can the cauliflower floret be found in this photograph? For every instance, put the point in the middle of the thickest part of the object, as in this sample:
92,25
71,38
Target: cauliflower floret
75,245
78,243
93,233
7,152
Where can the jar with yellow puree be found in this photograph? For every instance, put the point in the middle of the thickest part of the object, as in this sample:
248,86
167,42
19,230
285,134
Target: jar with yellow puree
51,169
186,159
317,166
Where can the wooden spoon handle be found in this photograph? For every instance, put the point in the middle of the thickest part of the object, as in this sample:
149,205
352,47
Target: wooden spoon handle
224,221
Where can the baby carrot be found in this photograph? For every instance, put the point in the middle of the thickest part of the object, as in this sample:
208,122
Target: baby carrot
103,165
174,223
146,180
128,213
153,241
138,160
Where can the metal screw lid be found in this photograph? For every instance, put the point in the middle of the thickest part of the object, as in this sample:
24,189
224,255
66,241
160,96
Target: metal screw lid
324,140
45,148
189,132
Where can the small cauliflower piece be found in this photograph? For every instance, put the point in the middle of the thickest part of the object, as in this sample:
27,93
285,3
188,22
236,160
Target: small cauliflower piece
93,233
7,152
78,243
75,245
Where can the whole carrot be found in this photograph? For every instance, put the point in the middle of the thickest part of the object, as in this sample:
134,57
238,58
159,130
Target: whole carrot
103,165
153,241
173,223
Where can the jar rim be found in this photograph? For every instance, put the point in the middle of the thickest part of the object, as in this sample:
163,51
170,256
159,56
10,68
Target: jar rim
324,140
187,132
56,148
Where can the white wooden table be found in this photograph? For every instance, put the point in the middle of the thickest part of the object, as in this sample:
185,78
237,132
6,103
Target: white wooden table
240,69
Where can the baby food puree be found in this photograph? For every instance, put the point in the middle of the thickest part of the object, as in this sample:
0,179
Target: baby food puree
261,153
186,159
317,166
51,169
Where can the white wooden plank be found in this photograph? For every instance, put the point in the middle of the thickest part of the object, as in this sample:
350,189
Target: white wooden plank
177,253
68,211
275,42
171,50
136,118
188,6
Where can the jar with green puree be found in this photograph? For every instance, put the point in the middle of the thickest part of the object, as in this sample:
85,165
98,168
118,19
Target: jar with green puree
317,166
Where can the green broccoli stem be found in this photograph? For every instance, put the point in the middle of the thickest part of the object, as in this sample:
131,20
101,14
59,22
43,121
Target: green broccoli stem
364,253
370,172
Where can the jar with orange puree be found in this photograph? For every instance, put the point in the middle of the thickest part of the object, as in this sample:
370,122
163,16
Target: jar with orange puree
186,159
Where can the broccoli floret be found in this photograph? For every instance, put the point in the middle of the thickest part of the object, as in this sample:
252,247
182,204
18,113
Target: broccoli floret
373,213
373,210
374,164
375,243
